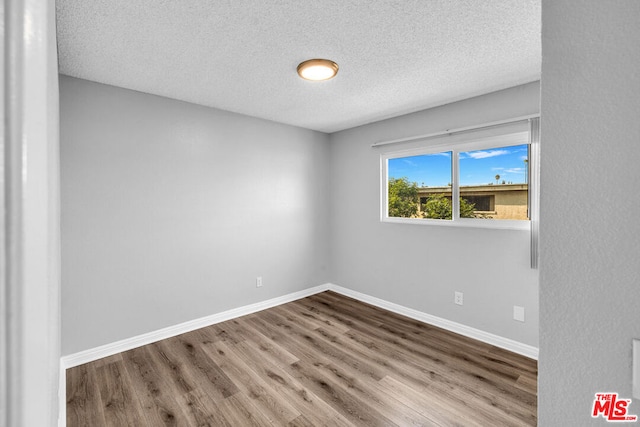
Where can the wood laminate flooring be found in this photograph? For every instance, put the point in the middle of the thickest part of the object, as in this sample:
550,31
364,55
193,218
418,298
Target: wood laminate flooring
323,360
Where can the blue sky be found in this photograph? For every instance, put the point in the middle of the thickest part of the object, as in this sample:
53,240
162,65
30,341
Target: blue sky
476,167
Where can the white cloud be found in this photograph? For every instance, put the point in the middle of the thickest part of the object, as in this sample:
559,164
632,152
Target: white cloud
515,170
486,154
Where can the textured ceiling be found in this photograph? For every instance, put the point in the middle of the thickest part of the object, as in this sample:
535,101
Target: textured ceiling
395,56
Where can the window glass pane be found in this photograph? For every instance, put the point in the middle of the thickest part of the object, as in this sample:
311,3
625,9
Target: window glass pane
494,183
420,186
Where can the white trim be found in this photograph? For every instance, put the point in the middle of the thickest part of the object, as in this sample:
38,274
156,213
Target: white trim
534,186
470,143
500,224
467,331
29,222
96,353
62,395
457,130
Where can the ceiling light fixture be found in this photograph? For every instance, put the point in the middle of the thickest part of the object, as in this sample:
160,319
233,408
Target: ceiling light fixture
317,69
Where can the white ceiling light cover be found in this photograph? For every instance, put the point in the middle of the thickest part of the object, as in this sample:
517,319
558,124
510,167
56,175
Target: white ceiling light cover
317,69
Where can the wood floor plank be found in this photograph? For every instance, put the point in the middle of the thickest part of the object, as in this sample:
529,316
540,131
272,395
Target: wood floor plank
107,360
398,324
306,402
420,402
240,410
322,360
301,421
339,397
229,331
308,319
265,345
320,345
202,411
157,395
457,370
208,374
455,364
370,391
171,366
84,407
119,400
275,409
421,372
289,334
528,383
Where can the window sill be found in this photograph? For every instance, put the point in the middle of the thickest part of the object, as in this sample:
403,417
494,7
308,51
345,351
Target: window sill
499,224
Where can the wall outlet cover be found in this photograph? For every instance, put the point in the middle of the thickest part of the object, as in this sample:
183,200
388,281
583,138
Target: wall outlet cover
518,313
458,298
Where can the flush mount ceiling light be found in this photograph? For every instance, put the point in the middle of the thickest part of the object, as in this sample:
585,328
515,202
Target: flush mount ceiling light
317,69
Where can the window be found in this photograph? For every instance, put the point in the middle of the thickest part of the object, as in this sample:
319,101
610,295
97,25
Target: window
481,203
410,176
508,196
482,182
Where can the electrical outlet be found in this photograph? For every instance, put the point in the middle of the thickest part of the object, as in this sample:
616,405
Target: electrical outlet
258,281
518,313
458,298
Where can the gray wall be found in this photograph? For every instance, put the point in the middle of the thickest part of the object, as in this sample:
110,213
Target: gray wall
171,210
590,237
421,266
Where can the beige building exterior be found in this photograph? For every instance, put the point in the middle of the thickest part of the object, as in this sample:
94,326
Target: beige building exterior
497,201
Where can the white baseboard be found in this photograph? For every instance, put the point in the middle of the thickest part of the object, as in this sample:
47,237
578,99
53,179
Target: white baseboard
127,344
458,328
62,396
148,338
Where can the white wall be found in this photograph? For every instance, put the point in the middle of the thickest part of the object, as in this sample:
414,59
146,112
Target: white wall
171,210
421,266
590,235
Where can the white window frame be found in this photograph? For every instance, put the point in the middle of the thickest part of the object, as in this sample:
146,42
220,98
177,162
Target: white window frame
483,143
